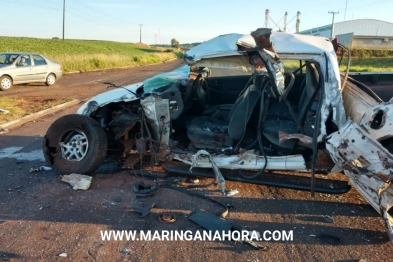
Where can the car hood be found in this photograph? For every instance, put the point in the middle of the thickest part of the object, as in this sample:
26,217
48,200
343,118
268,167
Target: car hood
124,94
227,45
127,93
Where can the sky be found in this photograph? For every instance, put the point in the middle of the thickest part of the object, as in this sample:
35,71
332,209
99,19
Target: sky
159,21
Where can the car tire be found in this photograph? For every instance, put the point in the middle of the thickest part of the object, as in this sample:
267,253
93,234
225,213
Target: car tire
50,80
75,144
5,83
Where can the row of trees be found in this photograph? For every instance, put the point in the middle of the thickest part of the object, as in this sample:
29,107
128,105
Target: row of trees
175,43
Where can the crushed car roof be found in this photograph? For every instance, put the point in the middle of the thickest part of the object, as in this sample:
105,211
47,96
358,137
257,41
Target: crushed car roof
284,43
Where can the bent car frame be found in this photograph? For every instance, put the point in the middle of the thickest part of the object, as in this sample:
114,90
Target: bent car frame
221,116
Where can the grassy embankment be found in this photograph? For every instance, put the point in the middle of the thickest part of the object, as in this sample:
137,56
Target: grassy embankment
20,107
361,61
87,55
80,56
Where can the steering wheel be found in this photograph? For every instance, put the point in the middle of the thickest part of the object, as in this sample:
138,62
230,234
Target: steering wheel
202,92
188,89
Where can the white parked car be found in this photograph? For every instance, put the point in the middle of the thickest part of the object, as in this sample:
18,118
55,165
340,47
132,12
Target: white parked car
219,116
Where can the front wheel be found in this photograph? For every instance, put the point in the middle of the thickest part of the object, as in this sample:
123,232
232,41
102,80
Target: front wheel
5,83
50,80
75,144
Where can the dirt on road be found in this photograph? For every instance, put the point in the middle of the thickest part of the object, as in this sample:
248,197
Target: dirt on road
44,219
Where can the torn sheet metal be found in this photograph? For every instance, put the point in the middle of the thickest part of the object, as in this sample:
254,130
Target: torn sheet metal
378,193
378,121
356,101
157,111
352,148
124,94
248,160
303,139
194,163
368,166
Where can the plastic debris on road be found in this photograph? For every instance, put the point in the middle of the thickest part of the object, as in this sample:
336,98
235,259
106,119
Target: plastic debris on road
232,192
78,181
41,168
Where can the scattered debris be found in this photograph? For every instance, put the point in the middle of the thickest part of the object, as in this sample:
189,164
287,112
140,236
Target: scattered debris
256,246
329,239
329,219
232,192
166,218
63,255
142,188
41,168
47,205
194,181
194,162
78,181
117,199
144,211
149,173
127,251
210,222
313,235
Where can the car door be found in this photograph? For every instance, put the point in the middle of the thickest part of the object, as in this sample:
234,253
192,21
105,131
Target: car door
23,73
39,68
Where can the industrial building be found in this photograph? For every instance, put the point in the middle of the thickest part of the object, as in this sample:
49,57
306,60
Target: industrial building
358,33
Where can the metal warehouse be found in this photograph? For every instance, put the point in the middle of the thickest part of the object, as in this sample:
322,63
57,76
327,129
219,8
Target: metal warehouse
358,33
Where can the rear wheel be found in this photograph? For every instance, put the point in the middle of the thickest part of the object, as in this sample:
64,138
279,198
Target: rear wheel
75,144
5,83
50,80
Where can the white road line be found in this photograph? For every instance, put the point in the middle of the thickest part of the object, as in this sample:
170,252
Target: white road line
11,152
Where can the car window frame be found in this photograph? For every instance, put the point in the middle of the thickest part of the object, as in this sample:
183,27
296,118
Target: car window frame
27,57
37,55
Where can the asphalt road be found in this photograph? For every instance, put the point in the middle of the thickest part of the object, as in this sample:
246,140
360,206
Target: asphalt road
42,217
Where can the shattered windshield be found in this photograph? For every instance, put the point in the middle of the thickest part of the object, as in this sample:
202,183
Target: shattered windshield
179,75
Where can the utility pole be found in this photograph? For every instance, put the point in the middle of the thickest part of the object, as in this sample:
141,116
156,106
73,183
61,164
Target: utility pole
140,33
285,21
297,21
266,17
345,13
63,17
333,13
155,39
159,35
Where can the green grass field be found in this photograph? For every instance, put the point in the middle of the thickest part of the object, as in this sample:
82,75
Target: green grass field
379,64
87,55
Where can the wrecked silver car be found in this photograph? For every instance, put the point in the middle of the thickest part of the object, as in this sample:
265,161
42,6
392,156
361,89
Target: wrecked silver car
222,116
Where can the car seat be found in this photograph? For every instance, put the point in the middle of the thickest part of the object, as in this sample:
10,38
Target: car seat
278,118
210,132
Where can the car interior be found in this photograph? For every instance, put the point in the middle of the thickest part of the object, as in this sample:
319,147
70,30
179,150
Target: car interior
233,111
